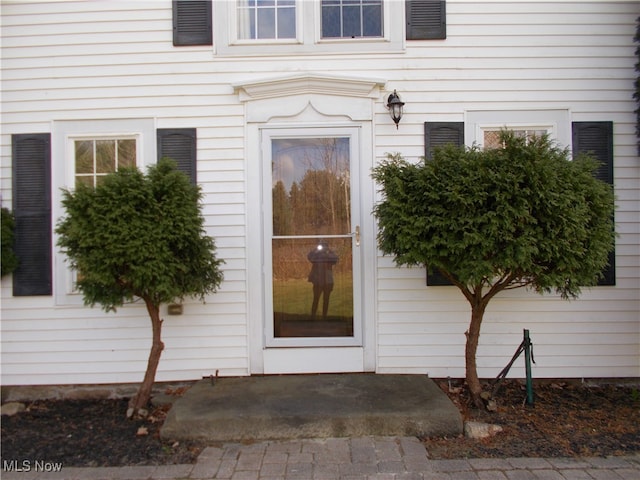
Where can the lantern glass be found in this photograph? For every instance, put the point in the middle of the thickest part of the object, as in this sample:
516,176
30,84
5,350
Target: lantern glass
394,104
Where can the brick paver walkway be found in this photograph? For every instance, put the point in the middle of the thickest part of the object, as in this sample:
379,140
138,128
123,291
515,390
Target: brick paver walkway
367,458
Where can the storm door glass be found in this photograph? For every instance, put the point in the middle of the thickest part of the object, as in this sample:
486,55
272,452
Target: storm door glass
312,241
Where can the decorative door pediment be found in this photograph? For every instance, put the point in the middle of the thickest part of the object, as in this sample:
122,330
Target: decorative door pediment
309,95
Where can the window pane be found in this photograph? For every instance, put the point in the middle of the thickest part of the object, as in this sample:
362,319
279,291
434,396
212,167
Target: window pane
105,156
492,137
266,19
351,22
86,179
266,23
372,21
312,288
246,22
95,159
538,133
100,179
84,156
330,22
126,153
286,23
351,18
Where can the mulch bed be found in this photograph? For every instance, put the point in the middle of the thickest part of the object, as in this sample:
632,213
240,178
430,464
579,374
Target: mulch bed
90,433
567,420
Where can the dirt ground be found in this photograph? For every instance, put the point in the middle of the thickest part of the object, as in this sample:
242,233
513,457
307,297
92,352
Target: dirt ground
566,420
92,433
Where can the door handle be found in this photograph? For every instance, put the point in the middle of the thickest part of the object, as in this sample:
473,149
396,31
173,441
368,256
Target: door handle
357,234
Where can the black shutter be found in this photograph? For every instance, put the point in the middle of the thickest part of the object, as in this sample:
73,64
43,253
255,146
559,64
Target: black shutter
596,138
192,22
439,134
31,158
179,144
426,19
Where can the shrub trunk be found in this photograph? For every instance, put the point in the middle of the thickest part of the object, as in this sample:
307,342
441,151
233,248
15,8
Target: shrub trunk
139,403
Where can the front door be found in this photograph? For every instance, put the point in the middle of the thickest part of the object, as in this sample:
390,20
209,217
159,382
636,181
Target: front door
312,238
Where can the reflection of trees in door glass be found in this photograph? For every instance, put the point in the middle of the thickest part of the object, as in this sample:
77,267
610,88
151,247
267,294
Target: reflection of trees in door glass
311,186
312,246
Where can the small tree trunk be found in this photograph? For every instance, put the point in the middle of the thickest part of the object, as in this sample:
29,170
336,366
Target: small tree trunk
473,337
140,401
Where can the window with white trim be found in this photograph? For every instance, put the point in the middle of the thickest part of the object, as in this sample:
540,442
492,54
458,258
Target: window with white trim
482,127
491,135
266,19
290,27
86,151
352,18
299,27
95,158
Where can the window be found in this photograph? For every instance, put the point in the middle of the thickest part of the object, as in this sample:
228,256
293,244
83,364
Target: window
85,152
96,158
352,18
301,27
266,19
593,137
491,138
482,127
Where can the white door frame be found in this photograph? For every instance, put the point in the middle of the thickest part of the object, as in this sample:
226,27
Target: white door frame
311,106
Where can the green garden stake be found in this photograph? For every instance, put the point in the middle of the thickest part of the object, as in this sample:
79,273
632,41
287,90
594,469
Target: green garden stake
528,354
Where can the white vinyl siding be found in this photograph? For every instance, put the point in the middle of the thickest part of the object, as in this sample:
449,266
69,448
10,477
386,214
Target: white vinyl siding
103,60
512,57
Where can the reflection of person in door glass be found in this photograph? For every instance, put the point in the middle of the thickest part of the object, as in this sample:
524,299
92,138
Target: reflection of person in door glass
321,276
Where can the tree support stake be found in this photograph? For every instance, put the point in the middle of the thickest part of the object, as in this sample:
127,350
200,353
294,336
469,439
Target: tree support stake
527,347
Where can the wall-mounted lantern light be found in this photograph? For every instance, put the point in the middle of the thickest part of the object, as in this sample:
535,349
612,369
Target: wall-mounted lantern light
394,104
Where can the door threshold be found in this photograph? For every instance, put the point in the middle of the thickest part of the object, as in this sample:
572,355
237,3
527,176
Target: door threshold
313,360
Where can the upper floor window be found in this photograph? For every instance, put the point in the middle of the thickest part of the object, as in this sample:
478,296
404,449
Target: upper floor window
97,157
300,27
352,18
266,19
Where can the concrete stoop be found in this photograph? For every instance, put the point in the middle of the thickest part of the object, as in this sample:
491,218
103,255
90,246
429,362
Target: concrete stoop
243,409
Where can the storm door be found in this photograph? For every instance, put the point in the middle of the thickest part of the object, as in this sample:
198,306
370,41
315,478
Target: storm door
311,238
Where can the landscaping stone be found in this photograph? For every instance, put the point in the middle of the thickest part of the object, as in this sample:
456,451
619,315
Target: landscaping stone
478,430
12,408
